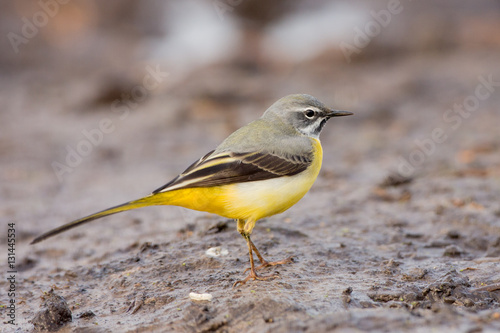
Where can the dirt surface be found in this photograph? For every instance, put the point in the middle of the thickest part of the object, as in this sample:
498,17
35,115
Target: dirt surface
400,233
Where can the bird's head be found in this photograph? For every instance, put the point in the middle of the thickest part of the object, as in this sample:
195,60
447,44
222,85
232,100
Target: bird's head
303,112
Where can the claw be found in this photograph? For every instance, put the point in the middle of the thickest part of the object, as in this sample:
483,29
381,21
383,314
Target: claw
255,277
265,263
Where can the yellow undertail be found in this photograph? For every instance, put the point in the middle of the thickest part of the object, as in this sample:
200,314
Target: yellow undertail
204,199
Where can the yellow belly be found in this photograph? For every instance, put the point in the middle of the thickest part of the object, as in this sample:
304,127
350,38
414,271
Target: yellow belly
249,200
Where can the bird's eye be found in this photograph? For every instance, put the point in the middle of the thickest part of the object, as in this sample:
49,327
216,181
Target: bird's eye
309,114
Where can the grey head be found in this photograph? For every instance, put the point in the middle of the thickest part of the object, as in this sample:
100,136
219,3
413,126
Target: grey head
303,112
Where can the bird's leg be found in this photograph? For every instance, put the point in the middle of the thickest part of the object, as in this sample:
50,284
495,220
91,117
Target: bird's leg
245,230
253,275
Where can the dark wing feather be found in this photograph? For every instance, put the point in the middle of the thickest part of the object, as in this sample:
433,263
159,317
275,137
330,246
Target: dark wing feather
228,168
189,168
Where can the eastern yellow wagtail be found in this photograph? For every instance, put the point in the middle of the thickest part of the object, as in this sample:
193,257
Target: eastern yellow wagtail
260,170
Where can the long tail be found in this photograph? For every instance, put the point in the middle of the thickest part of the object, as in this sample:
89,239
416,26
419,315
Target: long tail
143,202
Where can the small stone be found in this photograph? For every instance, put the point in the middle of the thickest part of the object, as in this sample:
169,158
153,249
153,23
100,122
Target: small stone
86,314
453,251
54,314
347,291
200,297
453,234
216,252
468,302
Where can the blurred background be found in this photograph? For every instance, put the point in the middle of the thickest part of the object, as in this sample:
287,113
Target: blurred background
102,102
105,101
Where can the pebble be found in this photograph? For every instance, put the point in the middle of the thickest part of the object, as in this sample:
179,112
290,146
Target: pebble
200,297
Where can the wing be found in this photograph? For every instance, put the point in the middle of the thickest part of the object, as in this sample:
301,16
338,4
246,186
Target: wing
228,168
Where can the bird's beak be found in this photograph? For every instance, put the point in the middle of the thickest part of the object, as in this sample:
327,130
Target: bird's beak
335,113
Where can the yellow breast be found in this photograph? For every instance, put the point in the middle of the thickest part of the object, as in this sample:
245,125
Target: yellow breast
255,200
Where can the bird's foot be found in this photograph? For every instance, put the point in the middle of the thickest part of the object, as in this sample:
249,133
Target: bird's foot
254,276
265,263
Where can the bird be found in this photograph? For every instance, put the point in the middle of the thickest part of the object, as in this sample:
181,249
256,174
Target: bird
260,170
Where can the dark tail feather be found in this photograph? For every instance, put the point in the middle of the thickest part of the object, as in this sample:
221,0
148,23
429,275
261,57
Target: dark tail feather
146,201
